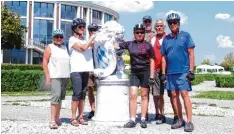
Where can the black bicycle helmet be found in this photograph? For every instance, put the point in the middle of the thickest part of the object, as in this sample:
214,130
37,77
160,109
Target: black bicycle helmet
93,26
139,27
76,22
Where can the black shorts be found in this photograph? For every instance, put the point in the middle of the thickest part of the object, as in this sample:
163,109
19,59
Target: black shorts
79,85
140,79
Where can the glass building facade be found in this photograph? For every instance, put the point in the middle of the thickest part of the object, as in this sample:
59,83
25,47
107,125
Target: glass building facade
41,18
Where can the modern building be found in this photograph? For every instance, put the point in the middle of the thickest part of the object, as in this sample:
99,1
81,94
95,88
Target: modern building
41,18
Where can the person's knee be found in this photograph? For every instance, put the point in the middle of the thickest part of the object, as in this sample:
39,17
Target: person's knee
56,99
173,95
144,96
185,94
133,97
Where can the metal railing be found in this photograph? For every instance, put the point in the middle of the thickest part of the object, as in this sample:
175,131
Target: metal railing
36,45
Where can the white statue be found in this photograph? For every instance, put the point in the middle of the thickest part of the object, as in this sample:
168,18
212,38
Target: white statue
104,53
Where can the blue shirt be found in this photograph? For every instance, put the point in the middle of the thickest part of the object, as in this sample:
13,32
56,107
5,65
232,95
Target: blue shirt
176,51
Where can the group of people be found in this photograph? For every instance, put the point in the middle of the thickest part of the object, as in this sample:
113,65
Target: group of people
158,61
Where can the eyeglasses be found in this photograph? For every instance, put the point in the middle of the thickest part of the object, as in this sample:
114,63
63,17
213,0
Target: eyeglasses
92,30
149,21
139,32
57,36
81,27
172,22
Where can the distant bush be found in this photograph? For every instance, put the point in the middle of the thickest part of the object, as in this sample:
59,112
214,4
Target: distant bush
225,81
21,66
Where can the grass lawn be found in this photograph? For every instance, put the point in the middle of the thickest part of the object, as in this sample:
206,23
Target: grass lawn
220,95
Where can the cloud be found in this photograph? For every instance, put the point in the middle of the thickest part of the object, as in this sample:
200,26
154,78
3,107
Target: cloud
224,42
127,6
183,16
225,17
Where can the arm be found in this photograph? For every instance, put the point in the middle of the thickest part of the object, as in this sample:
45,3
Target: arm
82,48
164,64
46,58
191,59
151,68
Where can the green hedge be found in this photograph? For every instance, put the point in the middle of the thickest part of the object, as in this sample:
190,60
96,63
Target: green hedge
18,80
203,77
224,81
21,67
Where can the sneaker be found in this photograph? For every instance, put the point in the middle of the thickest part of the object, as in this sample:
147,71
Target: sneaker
91,114
178,124
188,127
175,119
161,120
130,124
157,117
143,124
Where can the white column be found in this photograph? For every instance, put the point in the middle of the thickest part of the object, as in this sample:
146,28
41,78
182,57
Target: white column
27,24
87,23
55,14
81,12
59,20
32,20
31,58
103,16
26,56
78,12
1,56
91,15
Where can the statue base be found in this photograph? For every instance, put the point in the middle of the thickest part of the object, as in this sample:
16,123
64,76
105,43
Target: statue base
112,102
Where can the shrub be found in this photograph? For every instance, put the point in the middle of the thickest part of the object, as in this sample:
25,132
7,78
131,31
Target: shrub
203,77
225,81
21,66
18,80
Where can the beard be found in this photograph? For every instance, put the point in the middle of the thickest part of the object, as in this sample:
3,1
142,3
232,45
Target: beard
148,28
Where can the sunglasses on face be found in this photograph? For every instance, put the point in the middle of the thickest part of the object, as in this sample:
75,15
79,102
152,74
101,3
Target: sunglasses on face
81,27
92,30
172,22
147,21
139,32
61,37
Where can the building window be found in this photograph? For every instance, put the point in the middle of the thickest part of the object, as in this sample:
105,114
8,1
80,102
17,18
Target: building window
37,57
14,56
43,9
18,7
97,17
42,30
66,27
107,17
68,12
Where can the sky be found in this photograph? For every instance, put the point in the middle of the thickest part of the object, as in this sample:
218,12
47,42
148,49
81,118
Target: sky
211,24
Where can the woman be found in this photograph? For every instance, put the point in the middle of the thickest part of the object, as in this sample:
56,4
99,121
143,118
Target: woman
57,72
81,61
142,72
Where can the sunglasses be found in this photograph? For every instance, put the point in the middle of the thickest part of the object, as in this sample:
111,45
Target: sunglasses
81,27
61,37
149,21
92,30
172,22
139,32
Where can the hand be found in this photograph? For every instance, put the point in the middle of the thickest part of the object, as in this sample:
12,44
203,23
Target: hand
92,37
48,82
190,76
151,81
163,78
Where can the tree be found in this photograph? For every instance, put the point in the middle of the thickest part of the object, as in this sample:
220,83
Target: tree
206,61
228,62
12,32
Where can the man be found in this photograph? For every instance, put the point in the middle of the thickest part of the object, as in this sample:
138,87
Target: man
147,21
92,28
158,87
178,62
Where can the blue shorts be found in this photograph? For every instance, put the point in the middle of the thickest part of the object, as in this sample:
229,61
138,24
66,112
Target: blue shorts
178,82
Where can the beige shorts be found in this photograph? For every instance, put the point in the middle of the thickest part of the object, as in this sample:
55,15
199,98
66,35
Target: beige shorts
58,89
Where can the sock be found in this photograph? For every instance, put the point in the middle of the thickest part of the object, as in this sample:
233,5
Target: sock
133,119
142,118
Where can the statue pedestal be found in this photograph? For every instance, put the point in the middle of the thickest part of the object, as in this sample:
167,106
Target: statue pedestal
112,102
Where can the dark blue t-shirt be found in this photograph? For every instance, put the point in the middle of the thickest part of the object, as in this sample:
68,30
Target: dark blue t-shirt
140,54
176,51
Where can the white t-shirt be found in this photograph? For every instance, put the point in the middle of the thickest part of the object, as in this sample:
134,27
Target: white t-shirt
154,39
80,61
59,63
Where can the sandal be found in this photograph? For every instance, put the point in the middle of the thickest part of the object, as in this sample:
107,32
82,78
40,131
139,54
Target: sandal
53,125
74,122
82,121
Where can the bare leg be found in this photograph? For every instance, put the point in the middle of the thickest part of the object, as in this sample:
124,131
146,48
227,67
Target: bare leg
144,101
133,101
187,105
